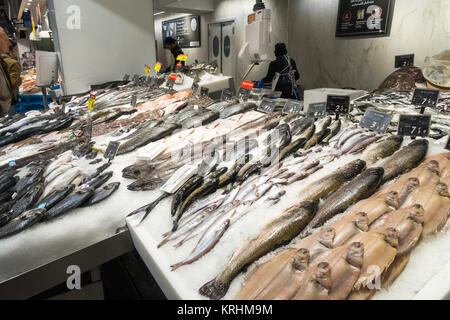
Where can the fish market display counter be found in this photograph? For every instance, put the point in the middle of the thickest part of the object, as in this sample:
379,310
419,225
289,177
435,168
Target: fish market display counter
425,277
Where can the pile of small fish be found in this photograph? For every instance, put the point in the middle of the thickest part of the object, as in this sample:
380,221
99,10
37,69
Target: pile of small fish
48,191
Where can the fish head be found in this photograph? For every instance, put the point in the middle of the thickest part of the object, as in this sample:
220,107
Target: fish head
352,169
33,214
310,206
442,189
392,199
416,213
355,254
396,139
327,236
412,184
419,143
433,166
301,259
322,275
391,236
361,221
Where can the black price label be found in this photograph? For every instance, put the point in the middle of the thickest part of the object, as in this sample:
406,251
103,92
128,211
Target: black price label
90,126
204,92
338,104
406,60
126,78
425,98
194,88
227,94
170,83
376,121
414,125
267,106
135,78
447,146
317,110
111,151
244,94
134,101
293,107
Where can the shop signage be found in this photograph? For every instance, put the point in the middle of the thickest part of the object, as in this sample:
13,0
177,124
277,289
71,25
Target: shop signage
376,121
425,98
338,104
357,18
317,110
186,30
267,106
406,60
293,107
414,125
91,102
111,151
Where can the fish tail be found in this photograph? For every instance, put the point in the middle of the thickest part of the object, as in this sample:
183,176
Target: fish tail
214,289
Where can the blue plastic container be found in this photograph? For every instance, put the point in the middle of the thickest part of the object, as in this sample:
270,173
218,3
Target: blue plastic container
29,102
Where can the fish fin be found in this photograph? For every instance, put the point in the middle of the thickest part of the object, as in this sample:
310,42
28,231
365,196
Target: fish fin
215,289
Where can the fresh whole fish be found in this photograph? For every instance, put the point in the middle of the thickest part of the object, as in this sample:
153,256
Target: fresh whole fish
26,202
334,130
137,171
97,172
278,232
57,172
99,181
56,196
34,175
317,138
62,181
22,222
200,120
73,201
236,109
382,149
8,183
181,195
102,194
299,126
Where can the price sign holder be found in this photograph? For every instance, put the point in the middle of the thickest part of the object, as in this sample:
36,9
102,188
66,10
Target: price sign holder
134,101
171,81
182,57
204,92
227,94
147,70
126,78
194,88
136,78
414,125
376,121
338,105
267,106
91,102
406,60
293,107
425,98
317,110
158,67
89,128
111,151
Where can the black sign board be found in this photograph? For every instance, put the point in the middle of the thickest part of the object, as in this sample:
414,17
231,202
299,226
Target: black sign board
425,98
126,78
317,110
406,60
447,146
267,106
135,78
357,18
89,128
112,149
244,93
134,101
293,107
376,121
195,87
414,125
204,92
227,94
186,30
338,104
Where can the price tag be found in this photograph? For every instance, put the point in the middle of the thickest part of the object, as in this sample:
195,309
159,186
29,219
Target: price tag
182,57
111,151
178,67
158,66
147,69
179,178
414,125
425,98
89,128
244,94
42,206
267,106
447,146
194,88
376,121
338,104
171,81
406,60
204,92
227,94
293,107
317,110
134,101
247,85
12,163
91,102
126,78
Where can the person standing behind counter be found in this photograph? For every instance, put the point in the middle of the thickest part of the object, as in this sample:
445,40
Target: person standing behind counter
6,91
14,69
171,44
283,73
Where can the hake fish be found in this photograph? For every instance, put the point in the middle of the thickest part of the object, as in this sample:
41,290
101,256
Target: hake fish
276,233
362,187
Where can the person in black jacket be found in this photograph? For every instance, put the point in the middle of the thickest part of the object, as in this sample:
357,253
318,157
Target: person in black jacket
284,71
171,44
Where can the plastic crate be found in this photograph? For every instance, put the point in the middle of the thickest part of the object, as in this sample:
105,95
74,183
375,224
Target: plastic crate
31,102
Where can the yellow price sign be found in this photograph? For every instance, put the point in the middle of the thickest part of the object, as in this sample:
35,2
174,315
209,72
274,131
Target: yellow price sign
91,102
147,69
158,66
182,57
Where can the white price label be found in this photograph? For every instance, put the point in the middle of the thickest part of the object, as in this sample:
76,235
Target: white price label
179,178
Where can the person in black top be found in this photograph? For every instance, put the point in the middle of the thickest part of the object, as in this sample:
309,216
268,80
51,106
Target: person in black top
171,44
284,71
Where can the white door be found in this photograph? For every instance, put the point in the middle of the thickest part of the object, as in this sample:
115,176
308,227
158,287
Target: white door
215,44
228,50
